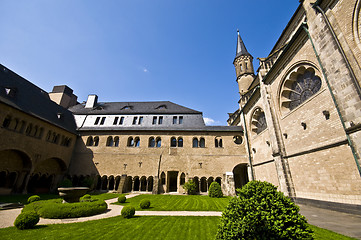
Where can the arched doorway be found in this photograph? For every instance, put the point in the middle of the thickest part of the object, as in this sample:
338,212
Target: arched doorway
136,184
240,175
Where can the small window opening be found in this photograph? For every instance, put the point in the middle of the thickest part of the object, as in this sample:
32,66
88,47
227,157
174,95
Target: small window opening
304,125
115,120
173,142
285,135
140,120
180,120
151,142
158,142
174,120
154,120
180,142
326,114
97,121
121,121
135,119
102,121
160,120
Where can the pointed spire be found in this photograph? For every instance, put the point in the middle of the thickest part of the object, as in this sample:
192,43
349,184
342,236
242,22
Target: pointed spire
241,48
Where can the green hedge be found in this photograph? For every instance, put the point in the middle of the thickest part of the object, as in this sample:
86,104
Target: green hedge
144,204
57,209
26,220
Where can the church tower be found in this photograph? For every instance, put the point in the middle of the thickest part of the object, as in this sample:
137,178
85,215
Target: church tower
244,67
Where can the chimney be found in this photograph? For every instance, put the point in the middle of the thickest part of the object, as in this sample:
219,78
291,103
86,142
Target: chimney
92,101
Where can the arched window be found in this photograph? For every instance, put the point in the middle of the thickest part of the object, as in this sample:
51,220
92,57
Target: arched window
218,143
173,142
202,143
130,142
116,142
136,142
182,179
195,142
151,142
96,141
110,141
162,178
180,142
7,121
29,129
301,84
158,142
258,121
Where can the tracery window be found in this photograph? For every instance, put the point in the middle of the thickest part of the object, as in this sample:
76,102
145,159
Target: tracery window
258,121
151,142
300,85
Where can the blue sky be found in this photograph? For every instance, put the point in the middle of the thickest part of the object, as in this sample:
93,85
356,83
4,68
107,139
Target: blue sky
137,50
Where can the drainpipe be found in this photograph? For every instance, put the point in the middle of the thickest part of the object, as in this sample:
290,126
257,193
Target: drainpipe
304,25
243,119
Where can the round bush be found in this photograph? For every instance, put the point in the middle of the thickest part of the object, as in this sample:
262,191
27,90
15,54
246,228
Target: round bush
128,212
122,199
26,220
215,190
144,204
262,212
33,198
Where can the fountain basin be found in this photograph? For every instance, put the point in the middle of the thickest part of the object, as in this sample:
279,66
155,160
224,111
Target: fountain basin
72,194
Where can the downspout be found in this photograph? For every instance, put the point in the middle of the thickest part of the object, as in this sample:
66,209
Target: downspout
247,143
333,99
353,76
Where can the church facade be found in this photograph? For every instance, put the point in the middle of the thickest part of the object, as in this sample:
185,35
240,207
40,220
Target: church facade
301,111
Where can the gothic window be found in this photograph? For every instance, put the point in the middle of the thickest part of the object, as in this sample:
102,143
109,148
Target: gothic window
96,141
110,141
158,142
130,142
180,142
258,121
116,142
218,143
151,142
136,142
195,142
89,141
202,143
300,85
173,142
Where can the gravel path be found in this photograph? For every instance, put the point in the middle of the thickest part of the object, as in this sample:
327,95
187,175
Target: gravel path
7,217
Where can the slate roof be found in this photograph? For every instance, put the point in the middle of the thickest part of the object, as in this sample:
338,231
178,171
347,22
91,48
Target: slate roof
167,128
160,107
21,94
241,48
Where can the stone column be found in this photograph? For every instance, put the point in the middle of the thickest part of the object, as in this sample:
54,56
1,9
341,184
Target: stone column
155,185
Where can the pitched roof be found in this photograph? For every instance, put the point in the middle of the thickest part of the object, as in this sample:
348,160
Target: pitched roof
236,129
21,94
241,48
160,107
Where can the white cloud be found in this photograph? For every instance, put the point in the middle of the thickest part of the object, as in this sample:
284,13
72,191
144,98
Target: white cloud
210,121
145,70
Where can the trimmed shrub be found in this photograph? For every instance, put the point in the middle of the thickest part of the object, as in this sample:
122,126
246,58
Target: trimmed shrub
122,199
86,198
262,212
33,198
190,187
128,212
215,190
56,209
26,220
65,183
144,204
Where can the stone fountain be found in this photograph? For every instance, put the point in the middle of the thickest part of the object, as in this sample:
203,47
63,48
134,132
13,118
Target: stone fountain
72,194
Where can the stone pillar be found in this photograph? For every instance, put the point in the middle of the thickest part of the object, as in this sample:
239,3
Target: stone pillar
121,186
155,185
19,181
228,186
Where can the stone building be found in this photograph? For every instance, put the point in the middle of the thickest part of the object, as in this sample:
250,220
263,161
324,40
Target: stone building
301,111
37,137
154,147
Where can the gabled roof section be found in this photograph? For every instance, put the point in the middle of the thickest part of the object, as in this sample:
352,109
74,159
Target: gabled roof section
21,94
161,107
241,48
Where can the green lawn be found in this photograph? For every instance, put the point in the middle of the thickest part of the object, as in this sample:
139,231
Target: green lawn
135,228
178,202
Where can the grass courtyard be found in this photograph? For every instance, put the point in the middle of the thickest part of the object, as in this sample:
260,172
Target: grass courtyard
145,227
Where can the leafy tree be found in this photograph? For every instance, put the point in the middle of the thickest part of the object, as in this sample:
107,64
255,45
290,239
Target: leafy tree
190,187
215,190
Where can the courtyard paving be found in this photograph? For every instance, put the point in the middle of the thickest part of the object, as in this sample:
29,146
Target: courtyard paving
343,223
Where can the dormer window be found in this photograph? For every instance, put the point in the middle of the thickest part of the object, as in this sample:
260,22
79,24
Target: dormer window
126,108
10,91
162,107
